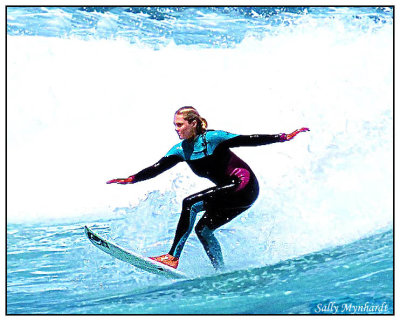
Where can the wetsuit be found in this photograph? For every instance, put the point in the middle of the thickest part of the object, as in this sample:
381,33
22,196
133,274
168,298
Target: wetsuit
208,155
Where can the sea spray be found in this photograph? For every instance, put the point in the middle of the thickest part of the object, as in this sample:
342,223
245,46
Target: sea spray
82,110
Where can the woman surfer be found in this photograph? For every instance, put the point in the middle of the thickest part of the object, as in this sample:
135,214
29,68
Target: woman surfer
208,154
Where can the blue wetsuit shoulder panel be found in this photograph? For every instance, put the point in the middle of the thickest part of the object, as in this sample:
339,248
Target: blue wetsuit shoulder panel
215,137
176,150
204,145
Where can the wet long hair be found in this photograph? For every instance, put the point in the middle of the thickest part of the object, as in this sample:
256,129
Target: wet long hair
190,114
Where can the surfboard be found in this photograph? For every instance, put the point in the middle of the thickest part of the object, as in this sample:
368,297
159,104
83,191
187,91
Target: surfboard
137,260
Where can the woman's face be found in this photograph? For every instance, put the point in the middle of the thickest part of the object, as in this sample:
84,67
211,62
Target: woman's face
184,129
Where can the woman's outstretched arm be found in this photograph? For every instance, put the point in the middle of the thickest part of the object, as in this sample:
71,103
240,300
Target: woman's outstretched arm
261,139
161,166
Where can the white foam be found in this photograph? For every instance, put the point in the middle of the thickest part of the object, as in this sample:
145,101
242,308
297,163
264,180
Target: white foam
82,112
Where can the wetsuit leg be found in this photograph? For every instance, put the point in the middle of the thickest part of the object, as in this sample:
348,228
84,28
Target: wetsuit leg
223,204
221,209
191,206
206,226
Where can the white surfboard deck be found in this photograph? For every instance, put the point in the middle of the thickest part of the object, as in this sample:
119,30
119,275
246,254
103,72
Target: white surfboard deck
132,258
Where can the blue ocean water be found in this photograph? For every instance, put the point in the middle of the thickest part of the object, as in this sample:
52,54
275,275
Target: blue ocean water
91,94
54,270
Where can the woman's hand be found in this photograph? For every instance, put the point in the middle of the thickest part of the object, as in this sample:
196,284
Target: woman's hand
129,180
287,137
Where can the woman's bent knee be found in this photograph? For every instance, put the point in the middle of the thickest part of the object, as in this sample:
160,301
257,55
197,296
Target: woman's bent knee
203,232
